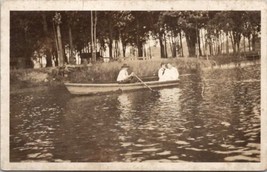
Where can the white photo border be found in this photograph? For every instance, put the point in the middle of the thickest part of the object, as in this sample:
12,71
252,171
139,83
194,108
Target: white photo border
156,5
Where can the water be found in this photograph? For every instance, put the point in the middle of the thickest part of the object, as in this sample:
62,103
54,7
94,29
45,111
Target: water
217,120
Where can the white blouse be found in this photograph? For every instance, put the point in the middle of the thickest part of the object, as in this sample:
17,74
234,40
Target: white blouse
123,74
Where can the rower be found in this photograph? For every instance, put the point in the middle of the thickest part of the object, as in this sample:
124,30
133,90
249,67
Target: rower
123,76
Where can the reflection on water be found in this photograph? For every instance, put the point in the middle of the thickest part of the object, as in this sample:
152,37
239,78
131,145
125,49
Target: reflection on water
169,125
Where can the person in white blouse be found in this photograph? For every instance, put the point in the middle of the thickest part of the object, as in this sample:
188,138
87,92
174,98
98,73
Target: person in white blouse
171,73
123,76
161,72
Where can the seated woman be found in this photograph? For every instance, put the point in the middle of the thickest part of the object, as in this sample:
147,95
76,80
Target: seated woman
123,76
161,72
171,73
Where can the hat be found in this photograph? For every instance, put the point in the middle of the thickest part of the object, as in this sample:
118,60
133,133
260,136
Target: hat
124,66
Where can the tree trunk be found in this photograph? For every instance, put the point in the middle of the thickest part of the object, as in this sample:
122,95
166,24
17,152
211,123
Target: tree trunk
215,51
56,42
95,41
27,51
203,44
249,43
115,49
165,46
55,54
191,41
174,50
244,43
123,50
173,45
218,42
222,43
238,39
253,42
45,28
144,51
227,43
199,46
162,54
211,47
48,58
233,43
181,42
140,49
93,35
110,37
138,42
218,46
71,58
214,47
64,56
60,48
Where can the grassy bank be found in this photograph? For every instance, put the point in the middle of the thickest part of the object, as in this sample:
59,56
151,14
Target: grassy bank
233,58
98,72
38,79
107,72
248,73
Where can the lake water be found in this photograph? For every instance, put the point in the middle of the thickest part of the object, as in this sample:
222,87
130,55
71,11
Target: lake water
215,119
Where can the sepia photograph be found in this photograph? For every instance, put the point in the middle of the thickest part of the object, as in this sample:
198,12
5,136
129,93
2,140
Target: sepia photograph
133,86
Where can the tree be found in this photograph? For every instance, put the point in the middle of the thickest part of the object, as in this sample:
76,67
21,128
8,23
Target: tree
93,35
125,29
235,24
141,29
251,26
33,31
72,17
57,21
156,26
192,21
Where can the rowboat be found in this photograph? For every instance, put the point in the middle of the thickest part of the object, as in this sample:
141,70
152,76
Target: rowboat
95,88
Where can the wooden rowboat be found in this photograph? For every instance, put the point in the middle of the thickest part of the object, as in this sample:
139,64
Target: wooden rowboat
93,88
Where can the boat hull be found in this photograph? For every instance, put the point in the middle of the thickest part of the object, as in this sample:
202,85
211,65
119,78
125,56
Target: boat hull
87,89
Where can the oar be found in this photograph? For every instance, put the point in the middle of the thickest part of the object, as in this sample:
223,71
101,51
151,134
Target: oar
142,82
186,74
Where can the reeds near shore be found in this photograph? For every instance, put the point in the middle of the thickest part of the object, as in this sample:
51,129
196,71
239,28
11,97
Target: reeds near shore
103,72
98,72
107,72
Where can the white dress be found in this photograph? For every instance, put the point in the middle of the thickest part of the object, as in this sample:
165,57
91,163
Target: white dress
161,74
123,74
171,74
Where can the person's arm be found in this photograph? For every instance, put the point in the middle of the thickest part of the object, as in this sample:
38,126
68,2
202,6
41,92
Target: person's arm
122,75
119,76
160,73
176,73
173,74
126,75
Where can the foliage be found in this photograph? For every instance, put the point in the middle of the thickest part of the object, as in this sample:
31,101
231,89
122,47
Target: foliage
31,30
234,23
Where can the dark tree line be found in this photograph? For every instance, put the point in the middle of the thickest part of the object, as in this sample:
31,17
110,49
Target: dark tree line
52,31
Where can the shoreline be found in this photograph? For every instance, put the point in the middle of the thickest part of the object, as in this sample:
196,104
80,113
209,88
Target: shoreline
44,79
41,88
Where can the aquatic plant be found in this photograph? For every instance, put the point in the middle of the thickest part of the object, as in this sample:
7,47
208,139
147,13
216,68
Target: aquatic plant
107,72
